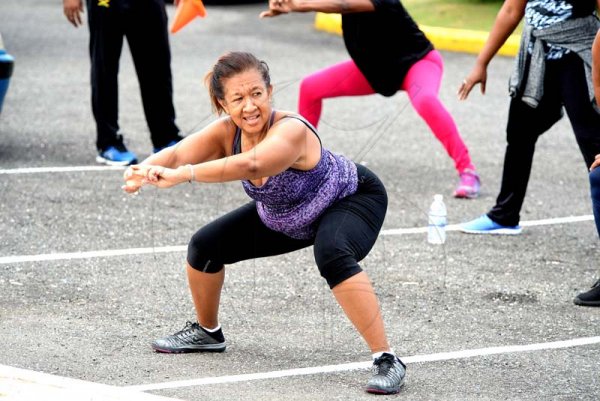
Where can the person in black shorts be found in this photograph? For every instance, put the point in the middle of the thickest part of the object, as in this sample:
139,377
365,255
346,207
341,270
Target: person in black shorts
302,195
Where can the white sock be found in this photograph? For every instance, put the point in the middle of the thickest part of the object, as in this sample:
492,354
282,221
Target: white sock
378,354
212,330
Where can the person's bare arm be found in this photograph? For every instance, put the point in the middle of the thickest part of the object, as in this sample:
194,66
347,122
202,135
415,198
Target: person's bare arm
596,67
208,144
278,7
283,147
506,21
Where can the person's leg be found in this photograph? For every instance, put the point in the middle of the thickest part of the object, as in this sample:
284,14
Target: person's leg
345,235
359,302
347,231
586,126
525,125
343,79
595,193
238,235
206,294
422,83
149,44
106,41
591,297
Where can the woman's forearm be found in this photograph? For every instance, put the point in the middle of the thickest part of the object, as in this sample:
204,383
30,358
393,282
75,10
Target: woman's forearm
506,22
333,6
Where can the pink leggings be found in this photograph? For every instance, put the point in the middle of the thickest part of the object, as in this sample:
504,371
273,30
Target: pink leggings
422,83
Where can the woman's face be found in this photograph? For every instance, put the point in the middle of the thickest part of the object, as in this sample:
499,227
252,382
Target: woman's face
247,100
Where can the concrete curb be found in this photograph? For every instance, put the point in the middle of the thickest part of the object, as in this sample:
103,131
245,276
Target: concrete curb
456,40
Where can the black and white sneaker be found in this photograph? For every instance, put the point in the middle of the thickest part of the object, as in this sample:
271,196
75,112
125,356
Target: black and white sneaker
388,375
192,338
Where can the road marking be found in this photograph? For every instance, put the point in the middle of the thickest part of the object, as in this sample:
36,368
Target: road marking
530,223
442,356
28,385
68,169
90,254
180,248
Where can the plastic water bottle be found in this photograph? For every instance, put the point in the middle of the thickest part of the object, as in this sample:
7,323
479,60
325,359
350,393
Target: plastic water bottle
436,230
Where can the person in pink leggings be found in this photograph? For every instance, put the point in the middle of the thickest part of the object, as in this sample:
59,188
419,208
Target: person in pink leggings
388,53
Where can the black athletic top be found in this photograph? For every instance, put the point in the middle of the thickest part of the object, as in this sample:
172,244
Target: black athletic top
384,44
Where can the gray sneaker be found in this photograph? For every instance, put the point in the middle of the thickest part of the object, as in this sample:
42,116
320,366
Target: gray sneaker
192,338
388,375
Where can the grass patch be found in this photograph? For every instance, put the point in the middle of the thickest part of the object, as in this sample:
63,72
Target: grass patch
461,14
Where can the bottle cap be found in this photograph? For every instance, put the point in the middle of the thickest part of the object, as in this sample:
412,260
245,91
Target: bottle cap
438,197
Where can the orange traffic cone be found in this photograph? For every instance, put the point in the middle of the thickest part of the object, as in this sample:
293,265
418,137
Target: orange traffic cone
186,11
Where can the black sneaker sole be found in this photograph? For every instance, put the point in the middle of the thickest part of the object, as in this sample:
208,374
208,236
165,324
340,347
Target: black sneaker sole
204,348
579,302
382,391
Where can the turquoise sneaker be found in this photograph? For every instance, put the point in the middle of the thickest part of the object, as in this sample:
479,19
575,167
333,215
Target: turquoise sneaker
485,225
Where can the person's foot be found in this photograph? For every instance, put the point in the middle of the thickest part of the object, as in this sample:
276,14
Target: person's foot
388,375
192,338
468,185
117,155
589,298
168,145
485,225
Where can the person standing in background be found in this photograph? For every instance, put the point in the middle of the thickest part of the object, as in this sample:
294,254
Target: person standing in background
144,24
388,53
592,296
552,71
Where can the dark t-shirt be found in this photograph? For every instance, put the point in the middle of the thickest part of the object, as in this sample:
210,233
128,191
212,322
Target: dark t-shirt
384,44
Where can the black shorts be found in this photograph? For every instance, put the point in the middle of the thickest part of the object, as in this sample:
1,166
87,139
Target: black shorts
345,234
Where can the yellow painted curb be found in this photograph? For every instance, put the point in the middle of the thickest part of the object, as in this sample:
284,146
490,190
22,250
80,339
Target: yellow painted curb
457,40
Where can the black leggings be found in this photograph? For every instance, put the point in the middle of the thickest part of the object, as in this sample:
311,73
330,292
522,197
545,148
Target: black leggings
345,234
565,85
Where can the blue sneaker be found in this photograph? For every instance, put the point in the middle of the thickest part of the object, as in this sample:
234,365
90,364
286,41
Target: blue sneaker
116,156
6,69
485,225
168,145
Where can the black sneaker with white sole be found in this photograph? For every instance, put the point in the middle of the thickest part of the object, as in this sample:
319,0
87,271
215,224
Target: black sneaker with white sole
192,338
388,375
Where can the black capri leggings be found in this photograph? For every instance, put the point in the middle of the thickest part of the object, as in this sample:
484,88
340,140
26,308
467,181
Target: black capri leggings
345,234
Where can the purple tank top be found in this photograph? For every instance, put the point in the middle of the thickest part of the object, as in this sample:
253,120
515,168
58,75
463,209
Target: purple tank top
293,200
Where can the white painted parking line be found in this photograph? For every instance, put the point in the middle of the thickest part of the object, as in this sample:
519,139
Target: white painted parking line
443,356
530,223
67,169
27,385
558,220
180,248
91,254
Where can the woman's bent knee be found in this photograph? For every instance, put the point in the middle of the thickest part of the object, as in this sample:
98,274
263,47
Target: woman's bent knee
336,265
202,254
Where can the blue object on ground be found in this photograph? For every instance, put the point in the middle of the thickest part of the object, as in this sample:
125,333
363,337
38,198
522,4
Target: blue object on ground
6,68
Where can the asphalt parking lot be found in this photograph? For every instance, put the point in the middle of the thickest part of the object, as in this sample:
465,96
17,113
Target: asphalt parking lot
89,275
